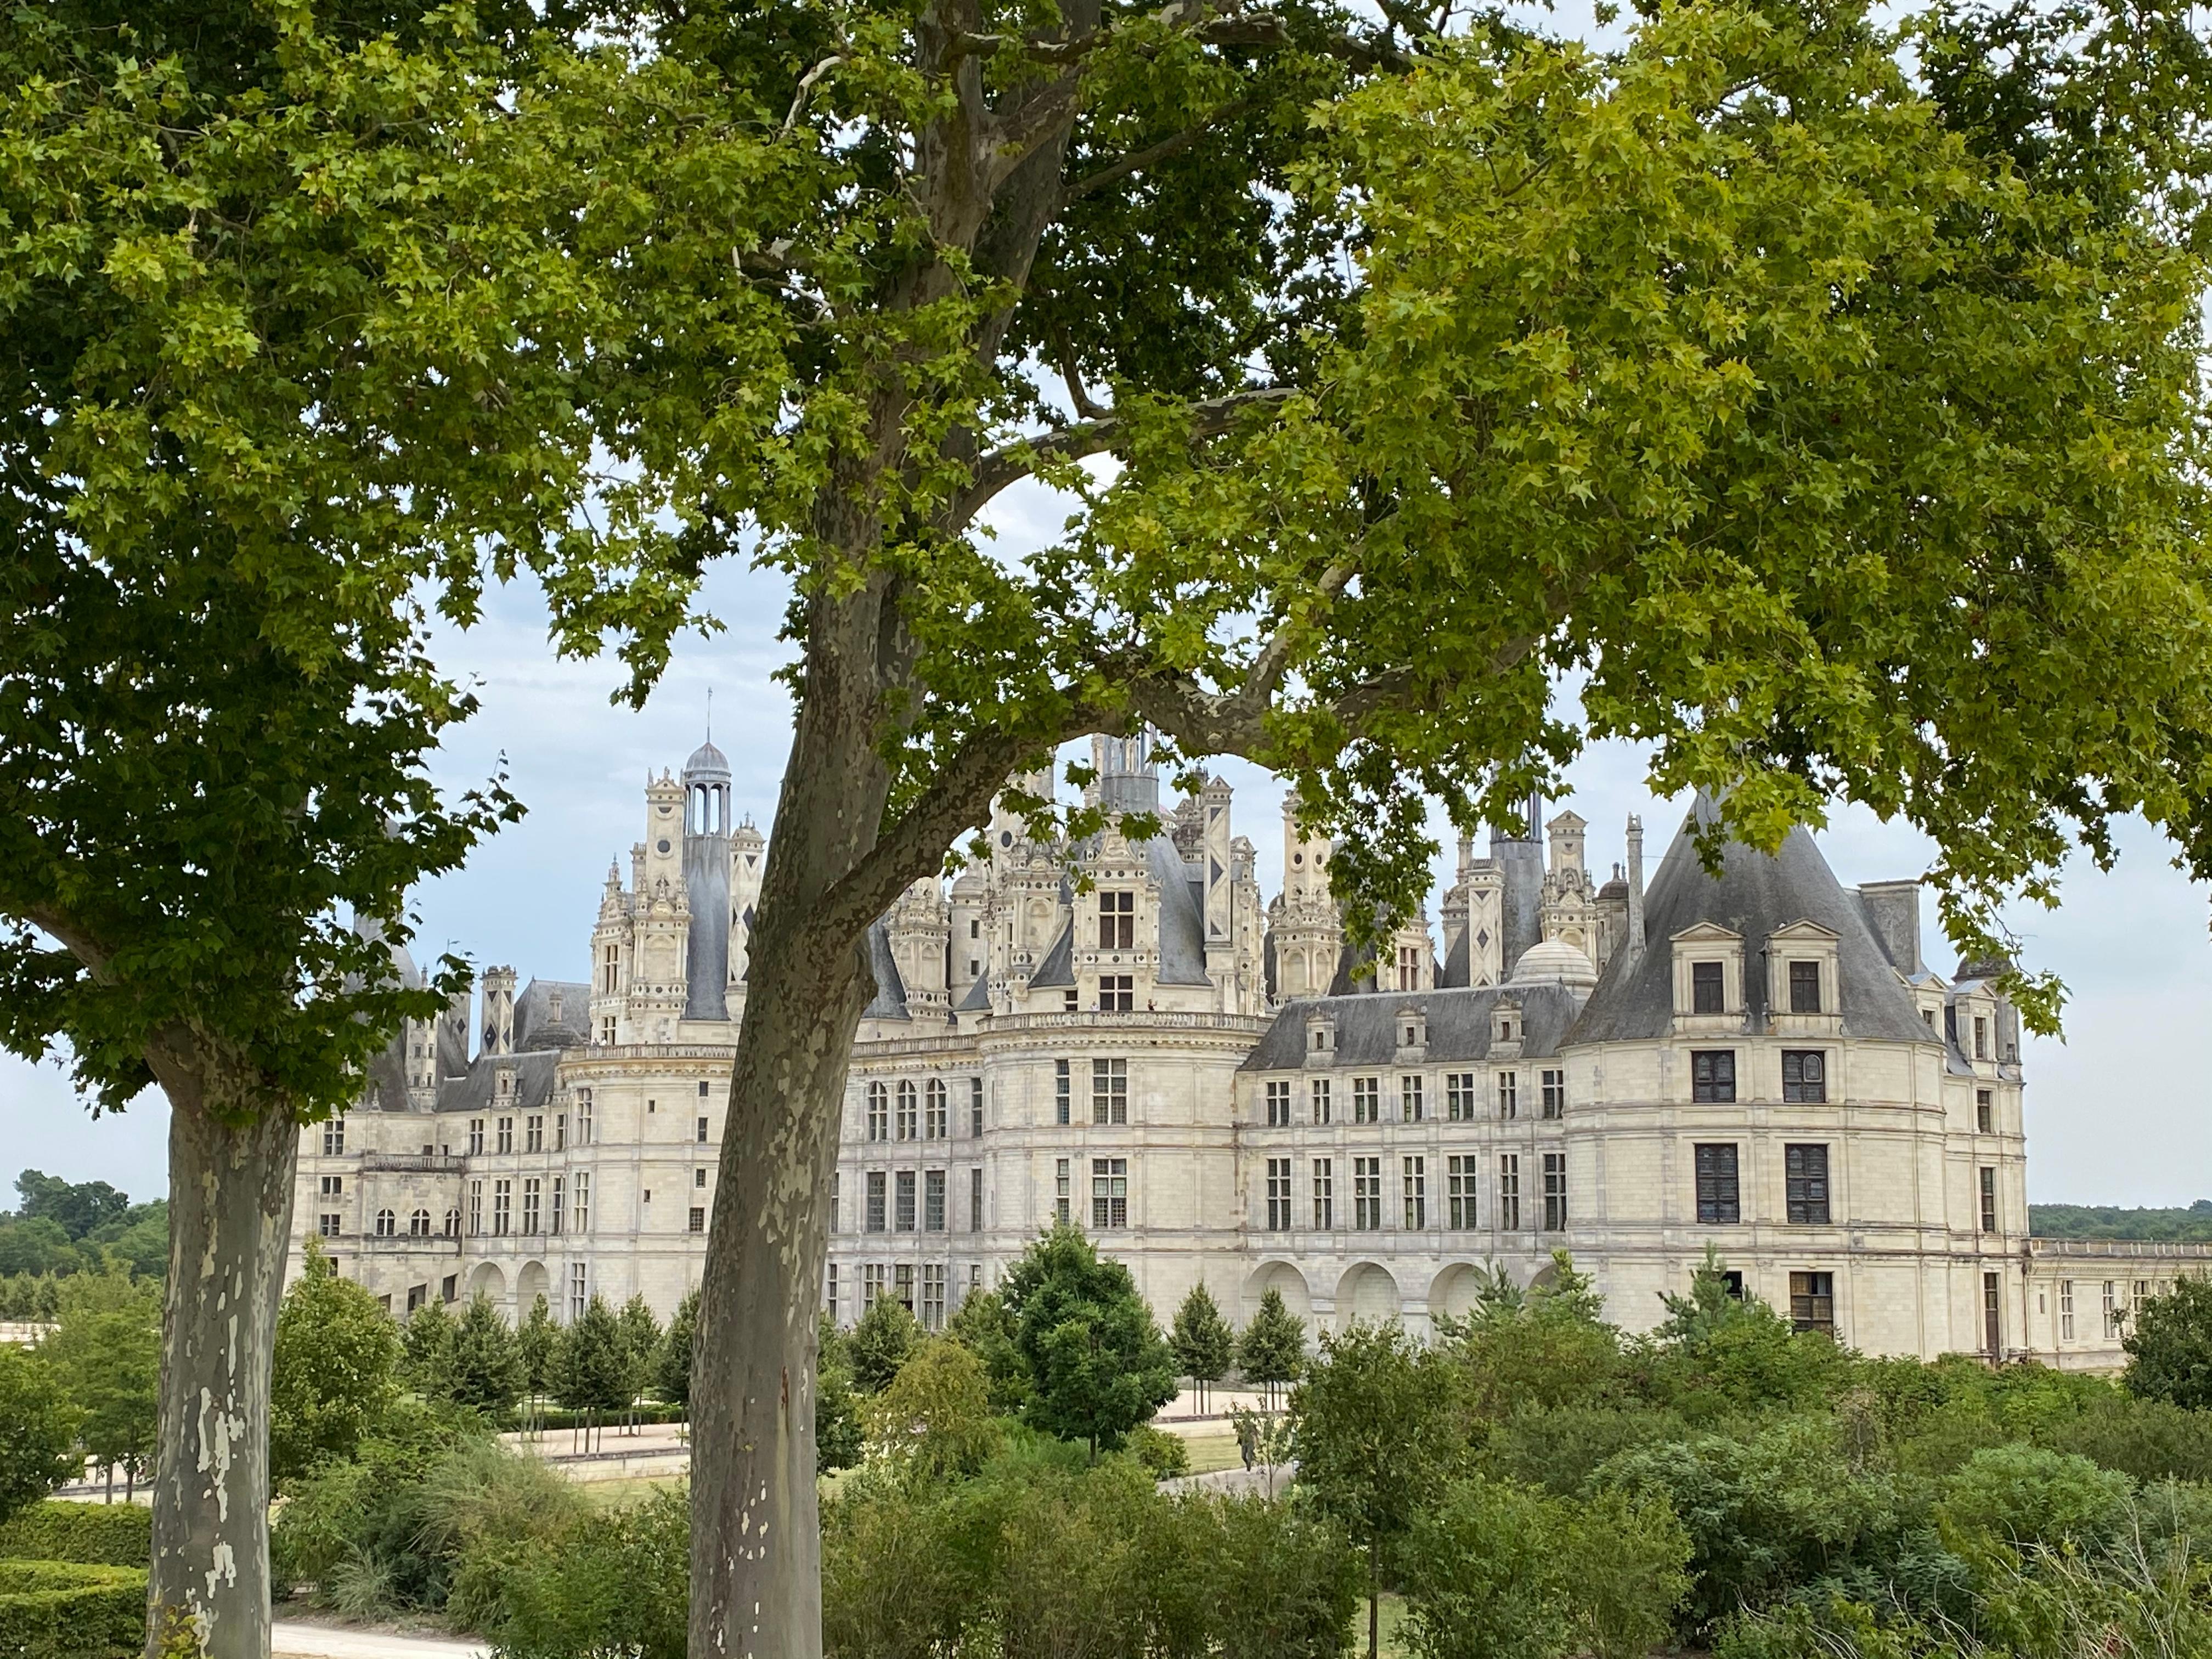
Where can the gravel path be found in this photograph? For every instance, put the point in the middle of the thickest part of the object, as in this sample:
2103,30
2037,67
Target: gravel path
298,1638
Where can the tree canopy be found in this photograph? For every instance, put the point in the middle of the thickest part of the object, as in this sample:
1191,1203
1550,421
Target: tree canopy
1098,1364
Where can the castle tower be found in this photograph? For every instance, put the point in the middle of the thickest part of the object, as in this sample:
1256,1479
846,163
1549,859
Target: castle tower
1218,874
662,908
706,882
917,927
499,1011
1519,860
1127,779
1303,921
747,854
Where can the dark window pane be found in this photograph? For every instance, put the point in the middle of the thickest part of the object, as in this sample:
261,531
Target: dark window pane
1804,987
1805,1172
1705,987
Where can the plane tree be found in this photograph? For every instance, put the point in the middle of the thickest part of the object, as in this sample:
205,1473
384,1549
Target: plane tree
274,379
1819,398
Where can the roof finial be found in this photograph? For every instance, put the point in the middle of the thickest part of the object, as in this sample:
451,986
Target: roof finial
710,713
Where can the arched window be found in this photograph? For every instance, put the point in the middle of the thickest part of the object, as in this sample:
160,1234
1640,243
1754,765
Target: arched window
878,1112
453,1223
418,1224
387,1225
907,1114
937,1122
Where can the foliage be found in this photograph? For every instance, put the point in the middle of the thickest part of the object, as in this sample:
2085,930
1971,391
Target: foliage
1378,1429
2023,1494
1203,1342
1484,1576
1561,1448
879,1343
1544,1348
596,1371
2169,1345
1718,1352
641,1338
2192,1224
69,1610
1098,1364
1165,1454
615,1584
106,1350
63,1227
104,1534
839,1438
427,1349
537,1342
934,1420
671,1370
982,1325
38,1431
1272,1349
337,1358
484,1367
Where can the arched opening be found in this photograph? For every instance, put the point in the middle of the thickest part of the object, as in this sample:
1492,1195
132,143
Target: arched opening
533,1282
1281,1277
488,1281
1456,1290
1368,1293
1546,1278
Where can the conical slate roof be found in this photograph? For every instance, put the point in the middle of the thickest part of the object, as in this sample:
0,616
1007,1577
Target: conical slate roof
1753,896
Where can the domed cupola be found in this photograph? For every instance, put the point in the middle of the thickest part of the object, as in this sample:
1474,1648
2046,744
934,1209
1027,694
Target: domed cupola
1554,962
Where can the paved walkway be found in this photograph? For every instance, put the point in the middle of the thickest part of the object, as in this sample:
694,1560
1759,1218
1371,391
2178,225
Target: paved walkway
296,1638
1239,1482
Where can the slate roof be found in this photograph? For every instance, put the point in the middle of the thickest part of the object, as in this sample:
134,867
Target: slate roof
1182,918
978,998
1753,896
1057,967
477,1089
535,1027
1459,1025
890,1001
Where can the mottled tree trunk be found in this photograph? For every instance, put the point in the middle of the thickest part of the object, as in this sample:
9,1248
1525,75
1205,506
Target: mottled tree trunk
230,1219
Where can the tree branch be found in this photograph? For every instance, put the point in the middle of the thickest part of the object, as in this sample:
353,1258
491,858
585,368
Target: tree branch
805,85
1010,463
1138,161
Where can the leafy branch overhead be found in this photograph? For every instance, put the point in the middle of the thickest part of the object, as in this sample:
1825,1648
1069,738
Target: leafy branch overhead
1829,427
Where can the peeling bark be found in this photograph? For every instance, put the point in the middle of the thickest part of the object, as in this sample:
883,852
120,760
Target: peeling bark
230,1217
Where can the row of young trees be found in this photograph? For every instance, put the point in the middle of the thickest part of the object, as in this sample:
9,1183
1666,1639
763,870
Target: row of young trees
87,1393
1823,394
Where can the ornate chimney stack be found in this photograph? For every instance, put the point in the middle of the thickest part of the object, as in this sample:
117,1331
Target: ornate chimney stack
1635,886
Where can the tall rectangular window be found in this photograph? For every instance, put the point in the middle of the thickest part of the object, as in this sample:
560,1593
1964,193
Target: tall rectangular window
2066,1311
1805,1184
974,1105
1981,1038
1409,967
560,1132
1414,1186
1278,1195
902,1204
583,1203
1719,1198
1508,1192
836,1209
1985,1118
829,1293
533,1133
1705,996
1117,994
1459,1190
1509,1094
1060,1088
329,1224
1060,1200
879,1112
933,1296
502,1207
909,1116
333,1185
554,1207
1989,1180
476,1136
1412,1106
875,1216
976,1199
1712,1074
1110,1192
1555,1094
933,1201
1804,987
580,1290
1459,1097
1324,1195
1320,1102
1367,1100
1367,1194
699,1131
696,1221
507,1134
1109,1092
1992,1315
1812,1302
334,1138
1278,1105
902,1285
936,1114
583,1117
2116,1312
1804,1074
1555,1192
1117,922
872,1284
532,1196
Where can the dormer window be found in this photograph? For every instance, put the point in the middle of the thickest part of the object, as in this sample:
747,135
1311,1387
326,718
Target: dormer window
1117,922
1804,987
1707,995
1413,1029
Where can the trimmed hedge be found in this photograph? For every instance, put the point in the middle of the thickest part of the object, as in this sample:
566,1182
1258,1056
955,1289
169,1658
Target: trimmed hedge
71,1610
564,1417
104,1534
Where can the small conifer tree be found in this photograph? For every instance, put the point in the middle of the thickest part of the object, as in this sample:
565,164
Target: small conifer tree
1272,1350
485,1369
1203,1343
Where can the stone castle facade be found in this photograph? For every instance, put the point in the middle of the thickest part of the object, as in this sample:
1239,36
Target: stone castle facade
1121,1034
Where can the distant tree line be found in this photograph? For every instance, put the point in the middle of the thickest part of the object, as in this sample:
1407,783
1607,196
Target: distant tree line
60,1227
2110,1221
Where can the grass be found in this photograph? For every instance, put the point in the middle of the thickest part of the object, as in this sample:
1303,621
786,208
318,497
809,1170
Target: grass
1210,1452
627,1490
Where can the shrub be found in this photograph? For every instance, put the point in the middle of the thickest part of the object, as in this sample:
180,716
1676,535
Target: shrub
38,1431
2150,1439
71,1610
2169,1345
1559,1450
2025,1494
614,1583
104,1534
1481,1572
1165,1454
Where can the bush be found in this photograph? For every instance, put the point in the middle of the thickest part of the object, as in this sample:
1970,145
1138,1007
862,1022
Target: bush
2025,1494
1482,1576
617,1582
71,1610
2150,1439
1165,1454
104,1534
1561,1450
644,1411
